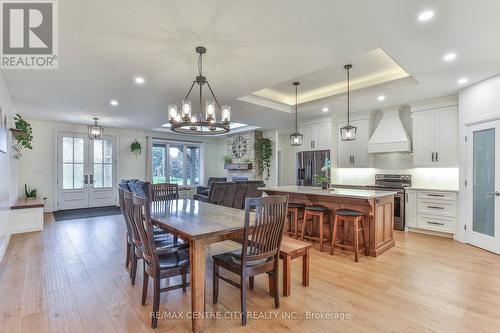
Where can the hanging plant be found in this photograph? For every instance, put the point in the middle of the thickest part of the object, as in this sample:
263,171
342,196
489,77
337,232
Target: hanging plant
26,138
264,149
135,147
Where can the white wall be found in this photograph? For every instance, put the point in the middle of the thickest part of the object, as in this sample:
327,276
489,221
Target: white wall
480,102
37,167
214,157
7,183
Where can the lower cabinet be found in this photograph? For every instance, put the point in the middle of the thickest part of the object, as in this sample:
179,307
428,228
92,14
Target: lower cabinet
431,210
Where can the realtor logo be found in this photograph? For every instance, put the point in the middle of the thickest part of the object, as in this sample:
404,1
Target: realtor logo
29,34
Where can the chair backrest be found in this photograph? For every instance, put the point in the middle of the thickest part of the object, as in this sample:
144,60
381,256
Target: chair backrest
140,188
217,192
252,188
239,196
262,239
141,217
129,205
229,195
164,192
125,213
212,180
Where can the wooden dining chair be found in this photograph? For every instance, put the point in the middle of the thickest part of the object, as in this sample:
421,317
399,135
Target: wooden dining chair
160,262
260,249
128,237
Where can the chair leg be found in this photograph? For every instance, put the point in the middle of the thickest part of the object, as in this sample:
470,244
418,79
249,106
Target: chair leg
184,279
271,287
243,300
133,268
356,240
303,231
276,288
250,282
334,234
156,302
145,280
128,253
321,217
215,285
364,236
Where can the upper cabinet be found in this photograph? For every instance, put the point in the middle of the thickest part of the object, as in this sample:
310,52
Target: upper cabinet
354,154
317,136
435,137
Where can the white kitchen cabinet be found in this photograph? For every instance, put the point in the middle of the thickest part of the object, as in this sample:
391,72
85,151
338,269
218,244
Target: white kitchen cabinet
411,208
354,154
317,136
435,137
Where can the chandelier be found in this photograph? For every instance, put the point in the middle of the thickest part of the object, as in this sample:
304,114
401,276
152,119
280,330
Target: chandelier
187,122
95,131
296,138
348,133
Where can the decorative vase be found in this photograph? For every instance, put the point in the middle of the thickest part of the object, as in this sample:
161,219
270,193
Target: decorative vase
324,186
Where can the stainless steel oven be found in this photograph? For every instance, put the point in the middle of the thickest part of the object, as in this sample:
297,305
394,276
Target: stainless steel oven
396,183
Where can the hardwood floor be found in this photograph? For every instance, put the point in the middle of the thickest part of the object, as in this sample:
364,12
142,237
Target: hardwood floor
71,278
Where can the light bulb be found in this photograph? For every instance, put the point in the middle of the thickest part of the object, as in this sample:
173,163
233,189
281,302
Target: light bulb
226,113
186,108
172,111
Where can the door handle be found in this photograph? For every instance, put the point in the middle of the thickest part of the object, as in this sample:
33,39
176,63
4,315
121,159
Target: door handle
496,193
86,180
91,179
432,156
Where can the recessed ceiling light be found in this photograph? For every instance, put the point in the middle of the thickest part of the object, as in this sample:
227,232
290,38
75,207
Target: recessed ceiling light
426,16
139,80
113,102
449,56
325,109
463,80
381,98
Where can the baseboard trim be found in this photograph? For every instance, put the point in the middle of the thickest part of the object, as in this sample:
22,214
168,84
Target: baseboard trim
21,230
4,246
430,232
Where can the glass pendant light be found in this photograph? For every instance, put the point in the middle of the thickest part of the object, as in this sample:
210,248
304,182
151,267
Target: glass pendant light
95,131
348,133
296,138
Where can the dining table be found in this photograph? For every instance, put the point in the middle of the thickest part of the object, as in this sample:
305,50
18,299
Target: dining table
200,224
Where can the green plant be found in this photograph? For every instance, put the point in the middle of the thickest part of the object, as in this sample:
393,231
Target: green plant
25,139
135,147
227,159
264,149
31,193
323,179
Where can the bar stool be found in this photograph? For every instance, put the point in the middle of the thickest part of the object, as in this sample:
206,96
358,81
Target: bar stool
322,213
294,209
351,216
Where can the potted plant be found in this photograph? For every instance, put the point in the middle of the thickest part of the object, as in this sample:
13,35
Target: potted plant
324,179
264,149
30,193
227,159
135,147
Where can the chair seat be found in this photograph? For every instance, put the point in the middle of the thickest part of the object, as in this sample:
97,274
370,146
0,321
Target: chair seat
318,208
348,212
173,260
233,258
296,205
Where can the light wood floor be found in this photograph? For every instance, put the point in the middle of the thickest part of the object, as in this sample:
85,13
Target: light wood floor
71,278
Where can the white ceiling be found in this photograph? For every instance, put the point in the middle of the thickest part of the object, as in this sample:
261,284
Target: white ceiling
251,45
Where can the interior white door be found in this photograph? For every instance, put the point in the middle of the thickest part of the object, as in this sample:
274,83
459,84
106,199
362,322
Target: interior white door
483,186
86,171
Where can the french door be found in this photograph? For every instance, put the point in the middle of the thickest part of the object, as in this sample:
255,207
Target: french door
86,171
483,186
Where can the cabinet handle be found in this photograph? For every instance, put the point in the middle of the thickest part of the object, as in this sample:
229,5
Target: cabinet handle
435,195
406,197
432,156
435,207
353,160
437,158
435,223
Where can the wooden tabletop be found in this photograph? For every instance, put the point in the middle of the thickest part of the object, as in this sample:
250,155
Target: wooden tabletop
192,219
24,203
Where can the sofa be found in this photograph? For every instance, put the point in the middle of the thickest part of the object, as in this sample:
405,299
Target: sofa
204,190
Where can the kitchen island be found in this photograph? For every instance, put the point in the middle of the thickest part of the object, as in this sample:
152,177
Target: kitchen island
377,206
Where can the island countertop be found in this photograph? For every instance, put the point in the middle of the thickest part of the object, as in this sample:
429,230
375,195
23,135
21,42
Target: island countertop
332,192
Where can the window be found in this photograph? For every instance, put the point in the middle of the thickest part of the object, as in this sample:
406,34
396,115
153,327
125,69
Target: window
103,163
176,163
73,167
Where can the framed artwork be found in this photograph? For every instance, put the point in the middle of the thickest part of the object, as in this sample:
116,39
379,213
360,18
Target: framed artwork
4,132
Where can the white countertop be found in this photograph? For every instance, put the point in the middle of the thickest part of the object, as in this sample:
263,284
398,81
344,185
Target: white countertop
423,188
333,192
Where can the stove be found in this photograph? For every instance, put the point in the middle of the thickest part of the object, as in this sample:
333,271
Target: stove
396,183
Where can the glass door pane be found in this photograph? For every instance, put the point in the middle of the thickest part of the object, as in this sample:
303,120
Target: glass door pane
103,163
483,220
176,164
193,165
158,163
72,163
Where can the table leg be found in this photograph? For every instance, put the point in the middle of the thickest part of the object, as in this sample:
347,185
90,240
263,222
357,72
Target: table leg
197,257
305,269
286,276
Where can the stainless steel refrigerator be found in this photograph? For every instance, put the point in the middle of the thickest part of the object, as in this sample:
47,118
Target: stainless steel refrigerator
309,163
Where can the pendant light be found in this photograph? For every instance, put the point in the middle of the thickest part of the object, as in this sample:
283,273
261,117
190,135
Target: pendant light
348,133
296,138
95,131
